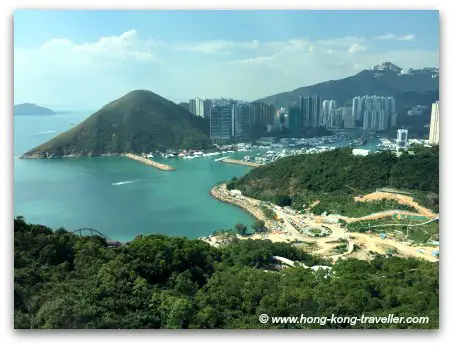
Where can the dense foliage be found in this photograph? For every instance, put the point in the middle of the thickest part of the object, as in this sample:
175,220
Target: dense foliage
335,177
65,281
138,122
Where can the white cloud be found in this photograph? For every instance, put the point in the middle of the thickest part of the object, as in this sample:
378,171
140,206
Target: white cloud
220,46
126,45
408,37
356,47
94,73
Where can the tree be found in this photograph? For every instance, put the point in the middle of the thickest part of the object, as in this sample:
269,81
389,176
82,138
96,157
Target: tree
259,226
283,200
241,228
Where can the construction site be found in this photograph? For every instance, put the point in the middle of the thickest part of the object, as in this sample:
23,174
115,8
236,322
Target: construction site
389,233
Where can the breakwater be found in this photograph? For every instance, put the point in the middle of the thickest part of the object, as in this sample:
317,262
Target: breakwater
149,162
241,162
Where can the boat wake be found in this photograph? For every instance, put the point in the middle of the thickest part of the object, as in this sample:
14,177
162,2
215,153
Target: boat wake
124,182
42,132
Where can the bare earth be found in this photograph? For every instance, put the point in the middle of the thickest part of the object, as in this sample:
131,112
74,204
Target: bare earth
284,231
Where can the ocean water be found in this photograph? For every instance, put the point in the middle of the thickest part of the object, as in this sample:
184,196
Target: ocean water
117,196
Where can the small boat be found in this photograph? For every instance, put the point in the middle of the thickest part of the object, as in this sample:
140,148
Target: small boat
218,159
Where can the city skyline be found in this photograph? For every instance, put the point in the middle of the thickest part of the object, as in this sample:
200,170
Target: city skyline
174,55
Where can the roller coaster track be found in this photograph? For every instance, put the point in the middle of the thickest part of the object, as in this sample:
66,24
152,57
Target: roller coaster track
93,232
405,225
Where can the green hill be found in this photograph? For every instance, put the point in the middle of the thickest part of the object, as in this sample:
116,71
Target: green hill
63,281
140,121
28,109
335,177
367,82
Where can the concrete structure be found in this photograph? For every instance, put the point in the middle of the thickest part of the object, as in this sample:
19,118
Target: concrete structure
401,138
434,129
221,124
362,152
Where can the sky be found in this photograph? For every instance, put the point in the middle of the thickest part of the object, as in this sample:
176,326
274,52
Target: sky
75,59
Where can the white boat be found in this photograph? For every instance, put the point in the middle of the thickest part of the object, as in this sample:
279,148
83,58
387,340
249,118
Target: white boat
198,153
218,159
150,155
188,157
171,155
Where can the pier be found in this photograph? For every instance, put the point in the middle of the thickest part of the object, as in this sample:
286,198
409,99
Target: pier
149,162
241,162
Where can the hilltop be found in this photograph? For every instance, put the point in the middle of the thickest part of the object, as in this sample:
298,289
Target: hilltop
385,79
31,109
138,122
337,176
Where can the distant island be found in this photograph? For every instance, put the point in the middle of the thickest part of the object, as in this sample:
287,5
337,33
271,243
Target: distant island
138,122
28,109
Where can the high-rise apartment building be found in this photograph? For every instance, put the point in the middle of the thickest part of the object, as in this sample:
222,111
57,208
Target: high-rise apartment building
262,114
221,124
374,112
310,108
401,138
241,120
200,107
294,121
328,111
434,129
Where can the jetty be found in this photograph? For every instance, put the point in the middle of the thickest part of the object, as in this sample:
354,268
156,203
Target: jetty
241,162
149,162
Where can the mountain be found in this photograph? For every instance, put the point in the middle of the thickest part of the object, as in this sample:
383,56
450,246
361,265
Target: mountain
138,122
385,79
31,109
184,105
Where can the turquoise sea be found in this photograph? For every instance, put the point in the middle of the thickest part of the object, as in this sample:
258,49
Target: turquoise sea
117,196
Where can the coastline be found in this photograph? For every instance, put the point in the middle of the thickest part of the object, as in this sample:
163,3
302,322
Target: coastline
132,156
219,192
284,231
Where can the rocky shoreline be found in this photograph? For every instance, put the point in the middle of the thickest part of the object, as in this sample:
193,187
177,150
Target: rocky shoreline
220,192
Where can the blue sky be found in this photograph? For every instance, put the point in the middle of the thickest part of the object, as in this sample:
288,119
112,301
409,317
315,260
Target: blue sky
86,58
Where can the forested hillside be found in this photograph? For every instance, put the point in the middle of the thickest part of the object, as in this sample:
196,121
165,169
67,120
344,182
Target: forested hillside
65,281
138,122
335,177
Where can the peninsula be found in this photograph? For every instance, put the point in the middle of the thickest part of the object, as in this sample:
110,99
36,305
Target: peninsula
139,122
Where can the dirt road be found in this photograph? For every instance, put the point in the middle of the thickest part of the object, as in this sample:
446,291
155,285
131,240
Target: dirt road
402,199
